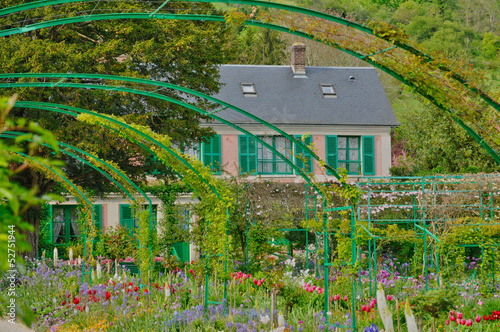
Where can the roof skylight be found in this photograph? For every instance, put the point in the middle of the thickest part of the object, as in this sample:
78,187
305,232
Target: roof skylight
328,91
248,89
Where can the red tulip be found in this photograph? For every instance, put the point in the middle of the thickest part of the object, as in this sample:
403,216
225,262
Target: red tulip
108,295
76,300
389,297
459,315
478,318
345,298
447,322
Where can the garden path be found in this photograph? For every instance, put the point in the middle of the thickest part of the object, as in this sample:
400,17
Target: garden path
5,326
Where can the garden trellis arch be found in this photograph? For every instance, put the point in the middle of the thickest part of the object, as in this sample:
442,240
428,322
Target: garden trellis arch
113,174
80,197
423,73
73,111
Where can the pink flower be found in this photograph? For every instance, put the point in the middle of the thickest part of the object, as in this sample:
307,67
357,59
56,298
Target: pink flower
345,298
459,315
447,322
478,319
389,297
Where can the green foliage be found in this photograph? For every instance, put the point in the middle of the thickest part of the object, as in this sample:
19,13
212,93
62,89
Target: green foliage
260,47
173,227
436,302
145,245
15,199
490,45
116,243
429,142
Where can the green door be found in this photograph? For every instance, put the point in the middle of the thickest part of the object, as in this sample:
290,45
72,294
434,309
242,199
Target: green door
126,218
182,249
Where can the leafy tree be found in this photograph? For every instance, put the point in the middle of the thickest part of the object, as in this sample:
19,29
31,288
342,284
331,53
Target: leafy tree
491,45
429,142
179,52
260,46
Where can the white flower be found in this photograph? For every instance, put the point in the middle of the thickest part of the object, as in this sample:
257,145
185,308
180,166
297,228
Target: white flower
265,319
281,320
99,270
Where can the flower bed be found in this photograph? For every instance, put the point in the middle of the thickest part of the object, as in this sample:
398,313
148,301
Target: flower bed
175,301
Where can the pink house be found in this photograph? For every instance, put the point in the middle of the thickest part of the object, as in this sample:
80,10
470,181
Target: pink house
344,112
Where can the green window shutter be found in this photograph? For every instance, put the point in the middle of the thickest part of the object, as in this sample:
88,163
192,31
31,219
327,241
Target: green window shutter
331,152
299,151
212,153
248,154
368,155
127,218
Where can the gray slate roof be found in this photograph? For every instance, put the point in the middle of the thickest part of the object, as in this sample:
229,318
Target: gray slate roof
283,99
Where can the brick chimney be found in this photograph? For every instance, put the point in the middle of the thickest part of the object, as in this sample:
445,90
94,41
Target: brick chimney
299,59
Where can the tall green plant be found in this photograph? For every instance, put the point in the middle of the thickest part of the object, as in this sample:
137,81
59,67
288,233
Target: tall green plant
16,199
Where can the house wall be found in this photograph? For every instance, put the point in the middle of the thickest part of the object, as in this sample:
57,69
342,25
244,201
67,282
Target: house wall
230,148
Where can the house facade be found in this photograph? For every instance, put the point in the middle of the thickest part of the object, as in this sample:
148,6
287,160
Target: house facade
343,113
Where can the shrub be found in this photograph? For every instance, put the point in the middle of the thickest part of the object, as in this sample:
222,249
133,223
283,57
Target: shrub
116,243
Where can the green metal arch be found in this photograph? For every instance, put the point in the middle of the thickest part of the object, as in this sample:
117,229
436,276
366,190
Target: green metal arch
14,134
158,96
389,71
289,8
75,111
29,105
66,182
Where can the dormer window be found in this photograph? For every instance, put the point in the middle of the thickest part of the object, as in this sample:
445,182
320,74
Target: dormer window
248,89
352,78
328,91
